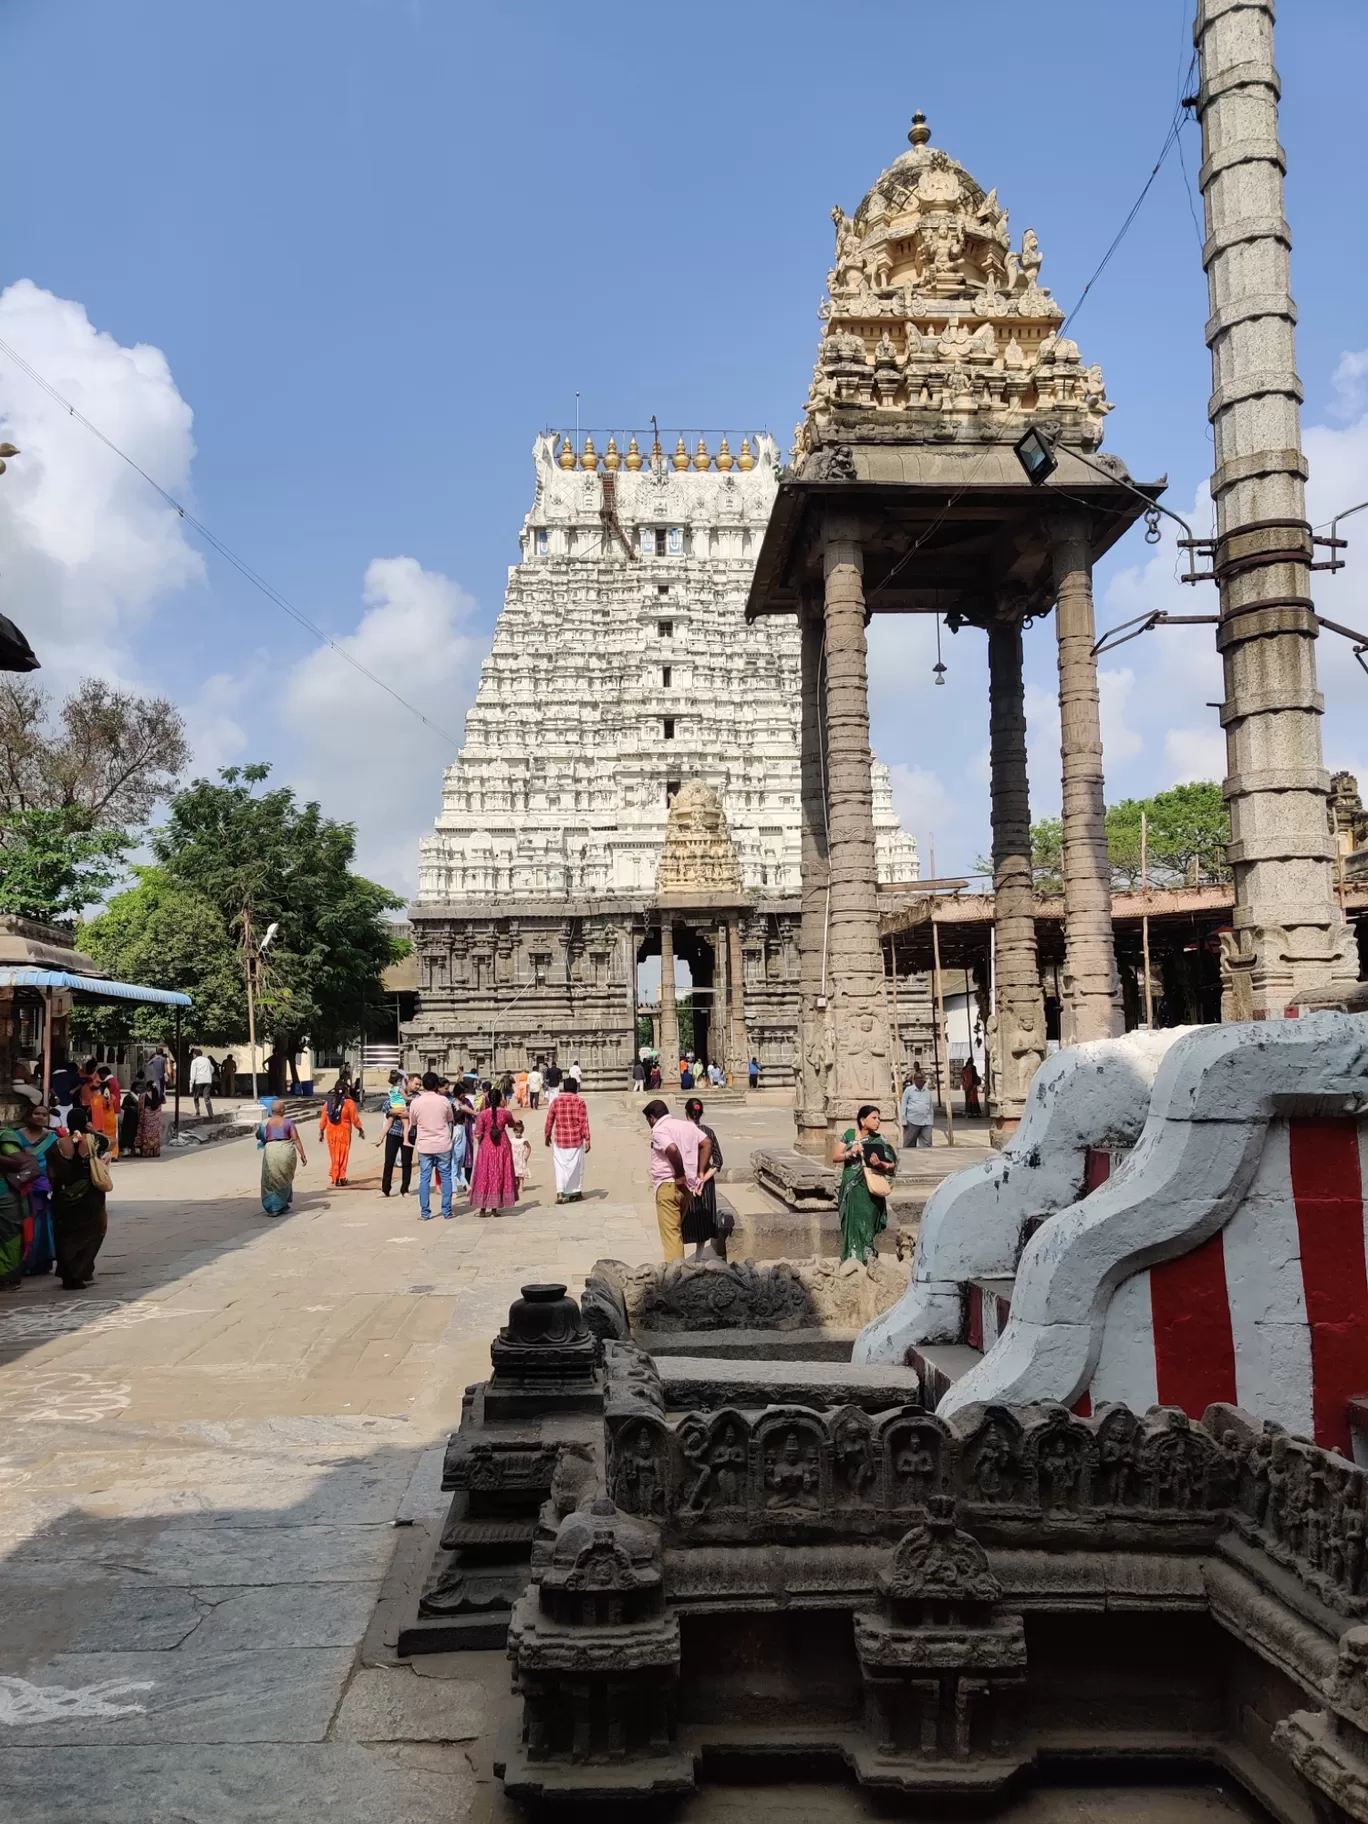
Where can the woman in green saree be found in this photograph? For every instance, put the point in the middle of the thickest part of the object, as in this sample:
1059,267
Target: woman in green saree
863,1215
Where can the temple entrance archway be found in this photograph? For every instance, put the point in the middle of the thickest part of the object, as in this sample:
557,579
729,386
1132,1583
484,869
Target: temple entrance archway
699,1022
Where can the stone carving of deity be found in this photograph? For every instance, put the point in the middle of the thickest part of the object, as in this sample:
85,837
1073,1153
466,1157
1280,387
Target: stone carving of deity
1030,256
791,1474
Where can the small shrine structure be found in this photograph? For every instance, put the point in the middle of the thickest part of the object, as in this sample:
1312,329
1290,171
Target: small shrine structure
940,350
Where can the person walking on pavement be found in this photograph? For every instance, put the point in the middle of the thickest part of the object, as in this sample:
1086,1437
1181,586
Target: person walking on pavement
567,1134
202,1082
534,1085
915,1110
335,1125
679,1157
395,1138
969,1083
430,1119
753,1072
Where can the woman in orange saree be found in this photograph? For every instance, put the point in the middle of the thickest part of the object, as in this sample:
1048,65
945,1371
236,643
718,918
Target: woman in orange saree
335,1126
105,1100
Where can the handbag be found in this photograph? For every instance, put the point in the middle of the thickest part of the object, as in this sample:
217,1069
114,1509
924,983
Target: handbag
876,1183
100,1175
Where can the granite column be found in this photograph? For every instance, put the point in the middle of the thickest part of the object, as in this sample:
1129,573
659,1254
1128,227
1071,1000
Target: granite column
669,1014
1017,1022
810,1113
860,1047
1289,943
1092,986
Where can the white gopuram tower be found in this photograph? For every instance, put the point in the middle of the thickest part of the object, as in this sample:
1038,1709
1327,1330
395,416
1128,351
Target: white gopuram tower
622,668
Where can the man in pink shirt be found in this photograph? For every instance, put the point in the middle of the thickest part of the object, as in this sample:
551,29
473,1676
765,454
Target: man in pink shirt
679,1157
430,1119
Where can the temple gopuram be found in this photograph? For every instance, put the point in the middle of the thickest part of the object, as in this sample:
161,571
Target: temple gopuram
624,680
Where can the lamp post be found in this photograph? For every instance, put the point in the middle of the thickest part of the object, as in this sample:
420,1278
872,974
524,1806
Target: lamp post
254,956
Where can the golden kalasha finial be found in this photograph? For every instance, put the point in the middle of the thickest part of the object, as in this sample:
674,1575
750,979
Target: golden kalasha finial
589,460
725,459
633,456
611,459
566,459
919,132
702,460
745,460
681,456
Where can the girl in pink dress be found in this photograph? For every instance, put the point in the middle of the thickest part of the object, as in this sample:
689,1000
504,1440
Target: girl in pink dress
492,1183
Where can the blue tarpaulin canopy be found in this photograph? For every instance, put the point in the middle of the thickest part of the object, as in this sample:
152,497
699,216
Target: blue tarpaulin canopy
94,985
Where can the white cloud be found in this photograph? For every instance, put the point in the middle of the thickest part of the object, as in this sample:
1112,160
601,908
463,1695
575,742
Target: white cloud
1350,381
86,547
922,804
365,756
1195,753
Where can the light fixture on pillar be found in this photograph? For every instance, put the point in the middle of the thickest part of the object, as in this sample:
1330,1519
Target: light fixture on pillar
1035,453
939,667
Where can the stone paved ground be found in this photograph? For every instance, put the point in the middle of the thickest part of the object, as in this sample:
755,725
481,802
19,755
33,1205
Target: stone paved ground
211,1461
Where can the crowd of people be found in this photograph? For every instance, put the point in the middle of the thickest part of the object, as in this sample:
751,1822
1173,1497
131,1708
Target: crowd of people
466,1135
693,1072
55,1160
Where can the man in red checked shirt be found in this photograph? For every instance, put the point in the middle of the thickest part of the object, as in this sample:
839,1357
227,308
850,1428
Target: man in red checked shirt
567,1134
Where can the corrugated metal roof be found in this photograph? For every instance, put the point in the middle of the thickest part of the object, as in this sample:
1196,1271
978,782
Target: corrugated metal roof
94,985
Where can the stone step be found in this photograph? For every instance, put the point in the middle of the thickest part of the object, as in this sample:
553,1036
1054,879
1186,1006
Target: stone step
939,1366
988,1307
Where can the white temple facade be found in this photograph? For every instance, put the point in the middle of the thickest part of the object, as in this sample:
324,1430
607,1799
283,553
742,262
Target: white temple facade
622,672
622,665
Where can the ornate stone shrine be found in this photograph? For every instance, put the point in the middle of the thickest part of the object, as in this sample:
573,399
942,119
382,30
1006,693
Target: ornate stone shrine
940,1607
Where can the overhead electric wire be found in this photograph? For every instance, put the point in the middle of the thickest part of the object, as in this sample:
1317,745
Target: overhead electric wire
1170,140
226,552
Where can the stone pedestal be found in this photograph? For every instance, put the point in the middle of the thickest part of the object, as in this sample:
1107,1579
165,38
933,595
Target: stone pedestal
545,1396
1092,987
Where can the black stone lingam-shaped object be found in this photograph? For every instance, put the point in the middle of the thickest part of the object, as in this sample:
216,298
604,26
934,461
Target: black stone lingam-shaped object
545,1358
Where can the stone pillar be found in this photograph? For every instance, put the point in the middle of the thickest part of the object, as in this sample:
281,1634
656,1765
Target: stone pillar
1092,987
669,1016
810,1114
738,1041
860,1047
1017,1023
720,1034
1289,940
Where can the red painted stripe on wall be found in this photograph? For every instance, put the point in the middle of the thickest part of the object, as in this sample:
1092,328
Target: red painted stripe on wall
1194,1349
1327,1188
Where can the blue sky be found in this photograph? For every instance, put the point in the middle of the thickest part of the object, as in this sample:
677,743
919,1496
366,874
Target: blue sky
378,244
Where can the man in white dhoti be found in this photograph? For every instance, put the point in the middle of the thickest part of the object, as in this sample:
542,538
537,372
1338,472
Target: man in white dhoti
567,1134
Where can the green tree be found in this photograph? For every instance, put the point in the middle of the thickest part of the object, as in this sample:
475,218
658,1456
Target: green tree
1047,855
51,866
262,858
75,785
166,935
1188,829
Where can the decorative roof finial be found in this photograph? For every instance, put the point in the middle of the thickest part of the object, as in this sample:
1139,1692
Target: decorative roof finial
919,132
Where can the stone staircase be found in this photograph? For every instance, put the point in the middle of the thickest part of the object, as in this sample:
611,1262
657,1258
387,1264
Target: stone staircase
1087,1109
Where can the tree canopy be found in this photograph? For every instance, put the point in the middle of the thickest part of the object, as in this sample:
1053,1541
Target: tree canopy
231,862
1188,828
76,785
165,935
262,858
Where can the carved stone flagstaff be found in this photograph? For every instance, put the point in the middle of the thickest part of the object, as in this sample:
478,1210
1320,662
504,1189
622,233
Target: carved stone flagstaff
1289,940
